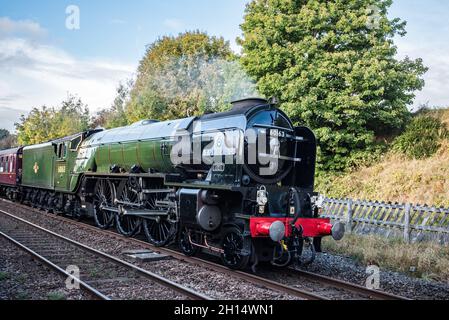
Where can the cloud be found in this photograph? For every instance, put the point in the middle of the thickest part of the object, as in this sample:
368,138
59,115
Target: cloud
23,28
33,74
174,24
435,92
8,117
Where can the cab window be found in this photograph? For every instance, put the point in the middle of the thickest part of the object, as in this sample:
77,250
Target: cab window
75,143
62,151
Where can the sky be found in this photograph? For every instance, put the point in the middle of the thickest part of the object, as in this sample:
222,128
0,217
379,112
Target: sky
44,55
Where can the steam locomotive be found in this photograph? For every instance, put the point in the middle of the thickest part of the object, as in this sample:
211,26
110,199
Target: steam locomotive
238,184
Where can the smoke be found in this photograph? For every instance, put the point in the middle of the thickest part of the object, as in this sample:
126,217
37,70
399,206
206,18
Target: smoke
201,83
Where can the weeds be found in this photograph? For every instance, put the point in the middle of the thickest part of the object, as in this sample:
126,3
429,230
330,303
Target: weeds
56,296
423,260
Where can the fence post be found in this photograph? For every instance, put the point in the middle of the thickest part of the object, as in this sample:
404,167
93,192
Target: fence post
349,217
408,208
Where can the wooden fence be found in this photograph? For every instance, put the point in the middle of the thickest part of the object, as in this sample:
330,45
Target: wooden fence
413,223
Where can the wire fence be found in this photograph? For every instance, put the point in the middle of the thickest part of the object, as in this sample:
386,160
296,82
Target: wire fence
413,223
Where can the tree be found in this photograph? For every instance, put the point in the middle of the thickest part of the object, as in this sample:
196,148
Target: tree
116,115
4,133
44,124
333,66
36,127
7,140
186,75
72,117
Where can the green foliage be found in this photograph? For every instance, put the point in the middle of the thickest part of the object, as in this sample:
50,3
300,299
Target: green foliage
43,124
394,177
333,70
422,138
4,133
7,140
56,296
184,76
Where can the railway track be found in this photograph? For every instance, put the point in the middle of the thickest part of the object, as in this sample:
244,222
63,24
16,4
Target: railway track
356,290
103,275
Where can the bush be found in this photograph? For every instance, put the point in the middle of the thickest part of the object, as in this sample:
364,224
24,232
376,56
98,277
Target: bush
422,138
332,73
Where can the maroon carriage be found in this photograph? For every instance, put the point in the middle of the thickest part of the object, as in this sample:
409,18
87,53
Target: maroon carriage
10,171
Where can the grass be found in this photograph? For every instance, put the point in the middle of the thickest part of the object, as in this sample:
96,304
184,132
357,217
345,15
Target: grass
395,178
94,273
56,296
422,260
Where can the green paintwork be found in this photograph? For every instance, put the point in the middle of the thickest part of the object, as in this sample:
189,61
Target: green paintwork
85,163
64,169
146,144
130,154
146,154
38,166
44,168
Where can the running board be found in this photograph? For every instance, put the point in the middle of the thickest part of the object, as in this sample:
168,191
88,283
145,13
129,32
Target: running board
139,213
145,213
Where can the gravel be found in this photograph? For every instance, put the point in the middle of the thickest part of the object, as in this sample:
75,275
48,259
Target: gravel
211,283
109,278
222,286
23,278
346,269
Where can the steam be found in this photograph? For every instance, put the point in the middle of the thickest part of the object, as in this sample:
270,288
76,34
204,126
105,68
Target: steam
201,83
